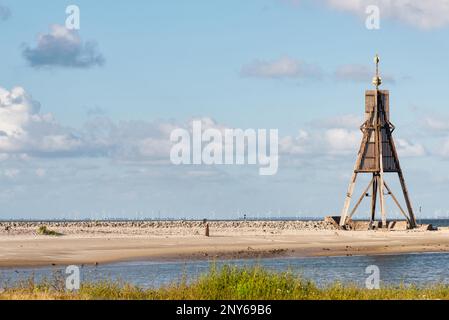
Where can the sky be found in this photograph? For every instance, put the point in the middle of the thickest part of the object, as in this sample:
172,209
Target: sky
86,115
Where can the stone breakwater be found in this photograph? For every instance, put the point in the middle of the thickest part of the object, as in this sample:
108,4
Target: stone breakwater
162,227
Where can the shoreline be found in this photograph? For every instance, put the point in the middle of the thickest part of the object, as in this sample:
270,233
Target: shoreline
107,243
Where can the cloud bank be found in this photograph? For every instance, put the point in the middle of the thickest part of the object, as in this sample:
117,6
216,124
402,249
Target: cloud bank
63,48
26,131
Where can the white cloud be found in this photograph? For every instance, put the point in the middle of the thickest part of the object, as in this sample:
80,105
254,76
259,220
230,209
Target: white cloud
337,135
151,147
359,73
437,124
289,68
63,48
284,67
127,140
23,129
347,121
409,149
316,143
424,14
342,141
11,173
444,148
40,172
298,145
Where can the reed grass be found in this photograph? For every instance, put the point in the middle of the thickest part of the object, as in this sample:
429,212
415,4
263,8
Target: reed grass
224,283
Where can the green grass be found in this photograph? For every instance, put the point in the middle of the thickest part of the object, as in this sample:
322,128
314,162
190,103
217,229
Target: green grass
225,283
44,231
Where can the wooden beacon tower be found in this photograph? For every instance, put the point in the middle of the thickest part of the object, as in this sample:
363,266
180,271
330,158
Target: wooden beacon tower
377,156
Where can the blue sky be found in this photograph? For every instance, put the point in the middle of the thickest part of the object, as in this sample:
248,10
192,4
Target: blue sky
96,148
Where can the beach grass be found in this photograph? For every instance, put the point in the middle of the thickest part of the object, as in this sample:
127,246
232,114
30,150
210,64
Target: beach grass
224,283
44,231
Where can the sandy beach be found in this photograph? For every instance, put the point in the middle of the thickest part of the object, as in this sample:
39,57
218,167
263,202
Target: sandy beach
107,242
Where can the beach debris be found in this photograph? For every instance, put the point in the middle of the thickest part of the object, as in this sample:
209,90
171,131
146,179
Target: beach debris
277,251
365,225
427,227
334,221
164,228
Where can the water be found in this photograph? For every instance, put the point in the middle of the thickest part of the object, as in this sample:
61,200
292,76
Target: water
434,222
419,269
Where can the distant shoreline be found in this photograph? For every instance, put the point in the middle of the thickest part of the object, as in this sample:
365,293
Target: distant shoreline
249,218
159,220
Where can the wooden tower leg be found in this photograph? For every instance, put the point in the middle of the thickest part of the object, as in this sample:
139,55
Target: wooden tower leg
403,186
345,211
397,203
351,187
407,200
374,198
363,195
382,202
381,168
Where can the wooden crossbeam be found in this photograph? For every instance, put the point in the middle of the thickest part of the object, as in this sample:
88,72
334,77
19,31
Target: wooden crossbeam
361,198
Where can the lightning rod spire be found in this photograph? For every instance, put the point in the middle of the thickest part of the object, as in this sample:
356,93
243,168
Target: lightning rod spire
377,80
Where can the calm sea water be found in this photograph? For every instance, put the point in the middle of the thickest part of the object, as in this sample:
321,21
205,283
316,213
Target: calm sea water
419,269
